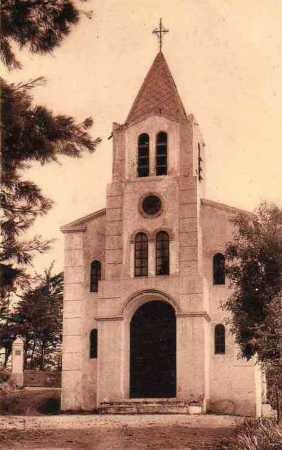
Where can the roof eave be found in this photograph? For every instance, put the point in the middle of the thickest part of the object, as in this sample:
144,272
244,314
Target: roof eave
79,224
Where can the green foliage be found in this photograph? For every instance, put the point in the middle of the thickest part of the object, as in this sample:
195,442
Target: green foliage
33,133
40,313
38,319
254,267
29,133
261,434
8,333
38,25
50,406
4,376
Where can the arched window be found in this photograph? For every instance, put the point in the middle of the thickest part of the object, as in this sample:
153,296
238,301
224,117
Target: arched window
95,275
200,160
218,269
161,154
143,163
93,344
141,255
219,339
162,253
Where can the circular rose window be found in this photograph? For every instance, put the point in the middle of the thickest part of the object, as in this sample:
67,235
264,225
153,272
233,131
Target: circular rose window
151,205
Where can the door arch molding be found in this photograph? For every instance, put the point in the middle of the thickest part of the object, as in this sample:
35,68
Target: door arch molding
137,299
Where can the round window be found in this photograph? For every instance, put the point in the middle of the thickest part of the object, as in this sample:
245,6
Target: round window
151,205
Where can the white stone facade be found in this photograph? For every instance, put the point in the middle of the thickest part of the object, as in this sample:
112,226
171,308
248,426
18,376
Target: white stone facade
197,229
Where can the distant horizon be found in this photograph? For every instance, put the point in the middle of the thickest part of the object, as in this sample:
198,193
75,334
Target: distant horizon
225,58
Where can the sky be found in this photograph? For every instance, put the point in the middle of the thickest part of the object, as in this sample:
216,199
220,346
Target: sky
225,57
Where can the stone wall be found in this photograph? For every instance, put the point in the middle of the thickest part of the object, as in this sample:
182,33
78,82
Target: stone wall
235,384
40,378
83,244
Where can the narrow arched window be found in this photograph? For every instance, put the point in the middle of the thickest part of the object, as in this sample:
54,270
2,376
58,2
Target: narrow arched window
219,339
200,161
141,255
143,163
161,154
93,344
219,269
95,275
162,253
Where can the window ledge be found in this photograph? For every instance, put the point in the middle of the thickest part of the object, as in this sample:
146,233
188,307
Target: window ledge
148,179
155,276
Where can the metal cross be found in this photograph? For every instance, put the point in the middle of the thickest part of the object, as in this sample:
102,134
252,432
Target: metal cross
159,32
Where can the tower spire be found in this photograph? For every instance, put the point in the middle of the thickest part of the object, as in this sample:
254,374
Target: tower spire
159,32
158,95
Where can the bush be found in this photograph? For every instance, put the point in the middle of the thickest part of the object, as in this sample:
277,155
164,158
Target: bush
261,434
4,376
49,405
30,403
10,404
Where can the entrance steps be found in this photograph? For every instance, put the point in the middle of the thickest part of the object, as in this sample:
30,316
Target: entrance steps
147,406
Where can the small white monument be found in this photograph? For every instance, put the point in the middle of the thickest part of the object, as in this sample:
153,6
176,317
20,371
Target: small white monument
18,362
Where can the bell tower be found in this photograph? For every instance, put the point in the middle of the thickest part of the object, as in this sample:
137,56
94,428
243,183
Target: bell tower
157,152
153,231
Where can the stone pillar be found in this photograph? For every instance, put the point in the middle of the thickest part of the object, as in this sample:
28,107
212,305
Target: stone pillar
264,387
18,362
151,258
73,347
191,358
110,361
132,262
114,224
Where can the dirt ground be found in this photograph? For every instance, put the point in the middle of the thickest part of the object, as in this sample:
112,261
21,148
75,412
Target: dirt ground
137,436
124,438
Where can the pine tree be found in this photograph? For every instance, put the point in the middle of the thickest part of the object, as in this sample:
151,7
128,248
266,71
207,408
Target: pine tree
37,318
39,315
29,133
38,25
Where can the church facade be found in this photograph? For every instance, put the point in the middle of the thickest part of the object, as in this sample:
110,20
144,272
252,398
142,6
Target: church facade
145,278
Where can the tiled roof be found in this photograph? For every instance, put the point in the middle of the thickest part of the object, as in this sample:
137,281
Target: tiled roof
228,208
158,95
82,221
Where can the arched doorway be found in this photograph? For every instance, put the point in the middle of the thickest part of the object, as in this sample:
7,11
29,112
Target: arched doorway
153,351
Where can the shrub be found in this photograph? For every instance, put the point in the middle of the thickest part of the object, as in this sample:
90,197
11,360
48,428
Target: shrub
261,434
9,404
4,376
49,405
29,403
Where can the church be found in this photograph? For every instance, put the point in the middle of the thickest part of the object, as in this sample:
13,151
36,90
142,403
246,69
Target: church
145,277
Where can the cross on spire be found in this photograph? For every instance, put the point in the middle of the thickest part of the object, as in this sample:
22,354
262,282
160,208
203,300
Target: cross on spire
159,32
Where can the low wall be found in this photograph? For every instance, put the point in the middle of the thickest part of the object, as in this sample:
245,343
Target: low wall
40,378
